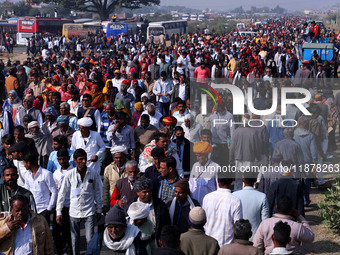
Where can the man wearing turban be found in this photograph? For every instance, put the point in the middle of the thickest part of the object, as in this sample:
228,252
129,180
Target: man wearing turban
204,172
90,141
113,172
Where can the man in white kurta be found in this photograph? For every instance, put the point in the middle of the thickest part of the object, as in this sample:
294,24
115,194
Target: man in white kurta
203,174
90,141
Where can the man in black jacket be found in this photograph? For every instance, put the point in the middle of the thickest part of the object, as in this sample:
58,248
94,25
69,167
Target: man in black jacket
184,147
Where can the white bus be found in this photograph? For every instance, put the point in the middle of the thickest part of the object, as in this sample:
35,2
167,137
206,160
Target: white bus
200,17
185,17
193,17
168,28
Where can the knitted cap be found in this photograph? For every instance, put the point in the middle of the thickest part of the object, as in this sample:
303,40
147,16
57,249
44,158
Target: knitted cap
115,216
197,217
183,184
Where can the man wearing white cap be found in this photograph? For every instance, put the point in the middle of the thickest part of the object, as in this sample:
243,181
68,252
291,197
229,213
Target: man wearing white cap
114,172
195,241
145,97
90,141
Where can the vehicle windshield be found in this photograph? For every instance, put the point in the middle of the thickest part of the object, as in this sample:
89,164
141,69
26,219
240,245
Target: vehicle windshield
156,31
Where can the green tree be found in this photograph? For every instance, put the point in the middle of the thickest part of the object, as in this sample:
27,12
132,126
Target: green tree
102,7
21,9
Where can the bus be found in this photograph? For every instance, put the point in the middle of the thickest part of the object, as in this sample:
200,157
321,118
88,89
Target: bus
117,28
29,26
81,21
79,30
245,33
7,28
104,25
168,28
13,20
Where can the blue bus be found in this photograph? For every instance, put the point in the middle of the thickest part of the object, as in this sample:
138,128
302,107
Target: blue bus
117,28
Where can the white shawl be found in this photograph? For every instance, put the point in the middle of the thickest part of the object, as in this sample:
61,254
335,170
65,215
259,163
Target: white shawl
126,243
173,206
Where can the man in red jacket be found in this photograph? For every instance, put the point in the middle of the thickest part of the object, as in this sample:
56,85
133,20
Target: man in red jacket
315,32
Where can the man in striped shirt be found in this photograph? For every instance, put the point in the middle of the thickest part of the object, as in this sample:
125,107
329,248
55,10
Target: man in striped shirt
222,210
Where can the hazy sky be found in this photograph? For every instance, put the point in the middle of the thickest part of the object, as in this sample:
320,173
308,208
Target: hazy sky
228,4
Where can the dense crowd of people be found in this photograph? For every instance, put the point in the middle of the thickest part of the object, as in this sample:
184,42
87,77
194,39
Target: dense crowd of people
118,140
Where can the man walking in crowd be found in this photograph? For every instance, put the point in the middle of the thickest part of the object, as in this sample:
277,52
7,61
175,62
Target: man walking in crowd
301,232
163,89
195,241
241,244
85,188
254,204
120,237
61,234
40,182
90,141
223,210
203,178
114,172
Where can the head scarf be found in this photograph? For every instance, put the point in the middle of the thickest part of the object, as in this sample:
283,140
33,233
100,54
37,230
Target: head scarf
28,91
84,76
16,99
70,78
95,87
107,75
62,119
51,110
139,106
36,104
57,77
120,104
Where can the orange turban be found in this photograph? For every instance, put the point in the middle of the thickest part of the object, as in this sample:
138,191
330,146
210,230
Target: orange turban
203,148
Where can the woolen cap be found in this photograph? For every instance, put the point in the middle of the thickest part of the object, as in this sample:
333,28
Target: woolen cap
183,184
115,216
